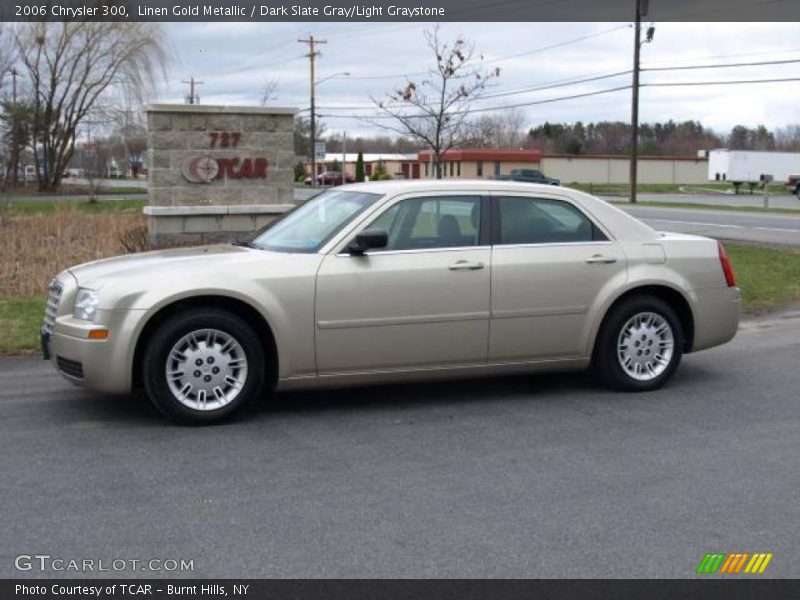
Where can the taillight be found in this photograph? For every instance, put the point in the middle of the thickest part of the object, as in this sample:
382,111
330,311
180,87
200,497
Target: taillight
725,261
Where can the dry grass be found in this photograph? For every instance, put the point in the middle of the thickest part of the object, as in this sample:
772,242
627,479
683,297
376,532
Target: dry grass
35,247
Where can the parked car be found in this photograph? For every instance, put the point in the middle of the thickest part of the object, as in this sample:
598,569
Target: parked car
794,185
530,176
387,281
331,178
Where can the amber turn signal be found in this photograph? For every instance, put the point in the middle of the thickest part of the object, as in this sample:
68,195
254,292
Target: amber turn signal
98,334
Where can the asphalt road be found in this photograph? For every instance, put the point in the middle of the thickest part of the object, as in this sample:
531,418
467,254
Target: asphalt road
775,201
547,476
764,228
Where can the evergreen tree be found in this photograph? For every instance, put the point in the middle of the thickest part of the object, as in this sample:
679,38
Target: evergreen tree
360,167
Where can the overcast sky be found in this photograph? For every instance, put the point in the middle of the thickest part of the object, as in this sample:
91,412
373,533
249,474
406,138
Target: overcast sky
235,59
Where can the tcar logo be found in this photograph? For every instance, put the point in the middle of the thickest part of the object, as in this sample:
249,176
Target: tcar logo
205,169
734,564
200,169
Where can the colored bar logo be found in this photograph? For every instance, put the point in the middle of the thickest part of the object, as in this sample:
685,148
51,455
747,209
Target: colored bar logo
732,564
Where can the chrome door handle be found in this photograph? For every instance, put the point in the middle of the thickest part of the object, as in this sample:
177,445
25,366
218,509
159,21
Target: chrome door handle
601,259
465,265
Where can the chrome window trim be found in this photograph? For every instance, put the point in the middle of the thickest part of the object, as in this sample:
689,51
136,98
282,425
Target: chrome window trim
542,244
414,251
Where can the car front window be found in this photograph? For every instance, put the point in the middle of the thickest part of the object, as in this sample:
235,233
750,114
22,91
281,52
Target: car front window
308,227
431,222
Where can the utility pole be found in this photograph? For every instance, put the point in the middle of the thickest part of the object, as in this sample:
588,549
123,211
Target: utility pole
641,11
312,55
14,74
344,157
637,46
16,142
192,98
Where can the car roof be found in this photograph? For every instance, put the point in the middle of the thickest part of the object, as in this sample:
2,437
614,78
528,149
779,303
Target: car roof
396,186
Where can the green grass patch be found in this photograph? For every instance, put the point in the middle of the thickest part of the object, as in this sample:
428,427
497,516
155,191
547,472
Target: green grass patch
32,191
768,277
622,189
698,205
20,322
99,206
123,189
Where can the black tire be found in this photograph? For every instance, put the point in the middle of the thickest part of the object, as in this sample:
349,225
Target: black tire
169,333
606,363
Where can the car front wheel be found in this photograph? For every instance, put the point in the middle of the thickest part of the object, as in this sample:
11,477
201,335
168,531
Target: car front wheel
639,345
203,366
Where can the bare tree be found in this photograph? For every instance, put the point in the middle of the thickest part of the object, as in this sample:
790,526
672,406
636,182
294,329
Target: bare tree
436,110
15,130
269,92
8,53
502,129
71,67
787,138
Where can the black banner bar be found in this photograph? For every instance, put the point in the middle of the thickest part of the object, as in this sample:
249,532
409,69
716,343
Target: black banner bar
259,589
399,10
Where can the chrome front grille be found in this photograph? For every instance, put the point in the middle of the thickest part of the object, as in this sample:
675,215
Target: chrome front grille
51,309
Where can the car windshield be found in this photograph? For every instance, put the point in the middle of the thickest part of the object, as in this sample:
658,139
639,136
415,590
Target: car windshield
309,226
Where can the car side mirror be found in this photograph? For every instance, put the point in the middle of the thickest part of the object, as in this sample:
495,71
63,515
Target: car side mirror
368,240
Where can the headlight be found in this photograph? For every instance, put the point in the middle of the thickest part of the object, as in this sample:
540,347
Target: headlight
86,304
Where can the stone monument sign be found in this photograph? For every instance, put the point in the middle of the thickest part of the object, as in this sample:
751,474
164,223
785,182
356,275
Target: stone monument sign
216,173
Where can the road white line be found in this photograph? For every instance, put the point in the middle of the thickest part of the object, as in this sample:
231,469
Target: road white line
724,225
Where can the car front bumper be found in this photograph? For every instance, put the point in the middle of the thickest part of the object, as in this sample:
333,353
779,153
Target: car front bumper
100,364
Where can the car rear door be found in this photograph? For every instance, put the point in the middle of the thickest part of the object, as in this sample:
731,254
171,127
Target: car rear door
550,260
421,302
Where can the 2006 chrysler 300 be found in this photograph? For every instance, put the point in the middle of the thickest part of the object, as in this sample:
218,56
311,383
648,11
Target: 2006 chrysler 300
383,281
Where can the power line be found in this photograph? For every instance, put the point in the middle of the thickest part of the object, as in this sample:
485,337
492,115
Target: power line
572,97
566,83
554,85
724,65
261,65
487,109
559,44
738,55
733,82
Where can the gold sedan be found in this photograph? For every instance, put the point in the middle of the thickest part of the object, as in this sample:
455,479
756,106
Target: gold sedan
378,282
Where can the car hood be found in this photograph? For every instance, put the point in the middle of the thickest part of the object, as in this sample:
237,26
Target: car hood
97,273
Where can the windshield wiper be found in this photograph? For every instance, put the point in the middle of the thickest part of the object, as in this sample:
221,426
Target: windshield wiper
245,244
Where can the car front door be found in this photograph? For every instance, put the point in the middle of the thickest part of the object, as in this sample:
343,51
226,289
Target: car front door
420,302
550,261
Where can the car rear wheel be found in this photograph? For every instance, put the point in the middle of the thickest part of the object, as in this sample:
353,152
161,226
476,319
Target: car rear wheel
639,345
203,366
